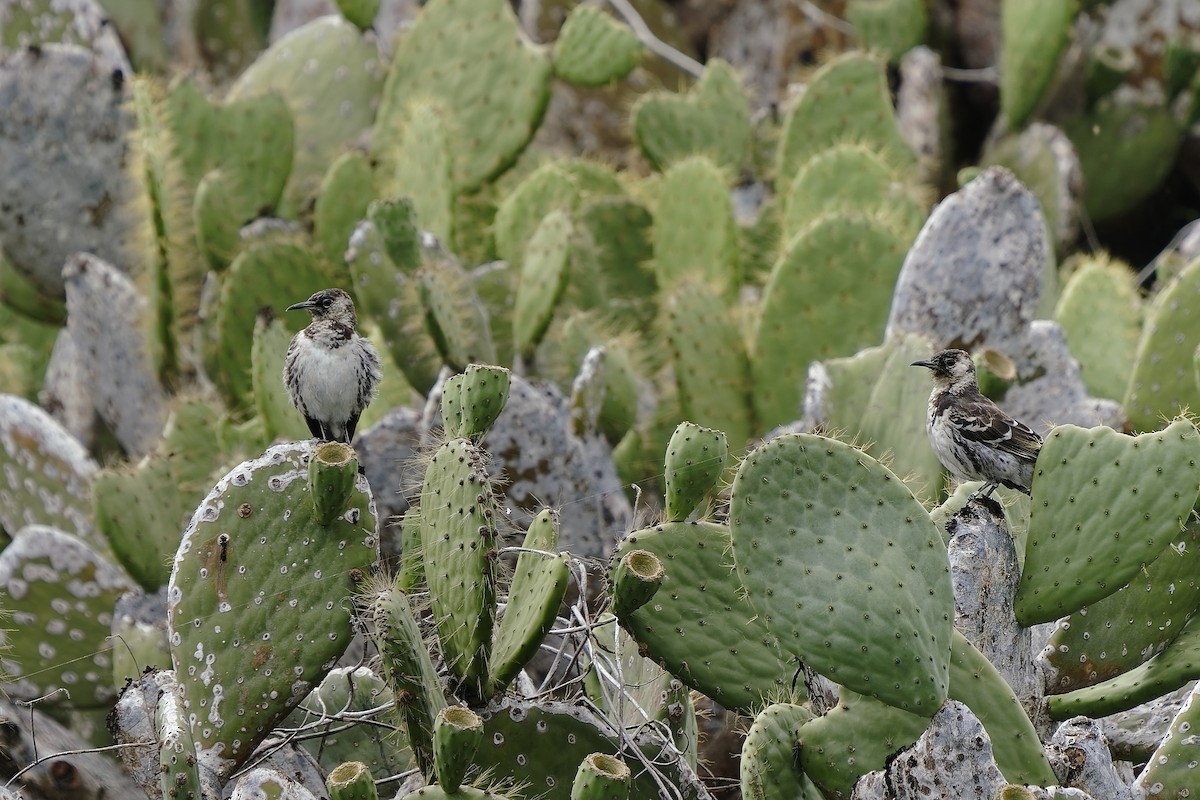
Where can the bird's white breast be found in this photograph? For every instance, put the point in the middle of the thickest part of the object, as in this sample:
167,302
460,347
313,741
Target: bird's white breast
328,379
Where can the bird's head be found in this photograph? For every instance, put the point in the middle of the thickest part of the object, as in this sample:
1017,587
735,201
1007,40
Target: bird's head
331,304
950,368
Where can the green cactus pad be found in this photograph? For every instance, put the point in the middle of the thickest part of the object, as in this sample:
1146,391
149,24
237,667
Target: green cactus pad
713,119
694,231
847,100
614,238
46,473
769,770
484,393
1033,35
1015,744
537,589
1104,505
342,200
889,27
844,565
1100,312
1162,383
593,49
258,600
409,671
855,737
601,777
458,521
548,188
851,177
1114,635
268,352
1171,771
268,273
145,532
1160,675
695,459
58,595
1125,150
332,480
699,625
457,734
330,76
828,295
388,294
351,780
459,64
712,370
543,278
360,12
422,169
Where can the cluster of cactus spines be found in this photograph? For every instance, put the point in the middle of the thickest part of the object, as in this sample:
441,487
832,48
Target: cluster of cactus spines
887,632
593,49
1100,311
695,235
61,592
330,77
1034,33
107,320
177,474
713,120
769,768
544,268
739,663
1103,498
1161,384
47,475
1126,628
711,366
69,143
257,599
836,278
538,586
694,461
440,57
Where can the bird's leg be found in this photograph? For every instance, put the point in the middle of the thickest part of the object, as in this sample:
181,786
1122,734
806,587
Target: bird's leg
983,491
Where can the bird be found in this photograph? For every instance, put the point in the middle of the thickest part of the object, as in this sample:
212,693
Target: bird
971,436
331,373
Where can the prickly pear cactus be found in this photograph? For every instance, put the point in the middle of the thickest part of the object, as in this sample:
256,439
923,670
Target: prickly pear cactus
60,595
440,57
694,231
1104,505
769,770
695,459
47,473
593,49
712,120
844,565
258,601
1034,32
1101,313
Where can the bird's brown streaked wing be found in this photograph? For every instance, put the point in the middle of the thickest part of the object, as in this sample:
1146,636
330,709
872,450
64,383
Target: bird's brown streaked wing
988,425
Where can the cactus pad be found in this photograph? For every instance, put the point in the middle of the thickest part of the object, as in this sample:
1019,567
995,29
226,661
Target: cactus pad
844,565
593,49
1162,382
695,459
258,602
1104,505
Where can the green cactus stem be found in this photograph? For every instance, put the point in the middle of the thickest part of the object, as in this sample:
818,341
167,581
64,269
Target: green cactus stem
457,734
637,576
332,475
601,777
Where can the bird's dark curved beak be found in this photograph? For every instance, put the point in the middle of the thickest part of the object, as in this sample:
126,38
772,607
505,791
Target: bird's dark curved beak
928,364
305,306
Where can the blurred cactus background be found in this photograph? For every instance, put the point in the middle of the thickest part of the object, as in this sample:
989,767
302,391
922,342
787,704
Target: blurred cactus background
645,506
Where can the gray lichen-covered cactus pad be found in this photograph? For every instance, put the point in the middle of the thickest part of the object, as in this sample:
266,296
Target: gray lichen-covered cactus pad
259,598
